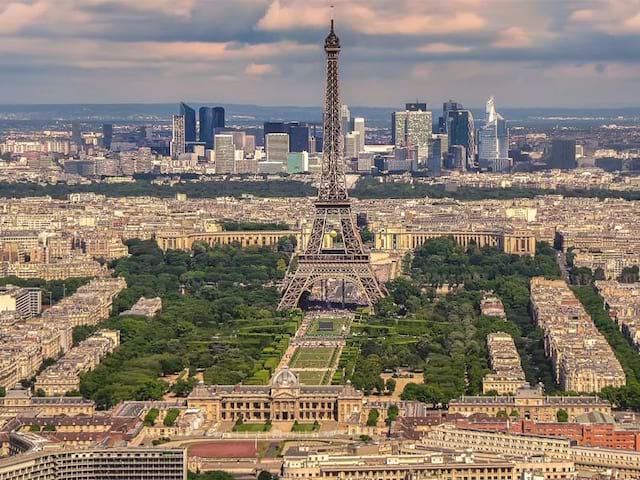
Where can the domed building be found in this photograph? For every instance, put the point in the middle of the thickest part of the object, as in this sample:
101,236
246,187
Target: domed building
284,399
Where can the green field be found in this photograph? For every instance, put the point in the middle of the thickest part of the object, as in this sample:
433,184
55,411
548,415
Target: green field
315,329
251,427
305,427
312,357
311,378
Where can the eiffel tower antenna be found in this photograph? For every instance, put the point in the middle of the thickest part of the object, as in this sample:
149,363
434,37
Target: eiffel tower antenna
335,250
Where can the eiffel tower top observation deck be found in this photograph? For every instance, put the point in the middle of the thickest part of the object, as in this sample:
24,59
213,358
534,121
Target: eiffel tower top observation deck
333,188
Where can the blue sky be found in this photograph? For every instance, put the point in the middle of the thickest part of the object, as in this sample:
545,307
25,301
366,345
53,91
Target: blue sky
570,53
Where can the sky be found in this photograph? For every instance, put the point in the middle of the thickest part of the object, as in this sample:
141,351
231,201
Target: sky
528,53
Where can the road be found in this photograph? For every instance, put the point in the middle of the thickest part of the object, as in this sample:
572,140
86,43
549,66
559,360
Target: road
561,258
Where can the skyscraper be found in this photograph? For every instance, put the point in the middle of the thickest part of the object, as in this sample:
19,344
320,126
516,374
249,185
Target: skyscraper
211,121
345,118
299,136
461,131
225,153
493,138
277,148
189,115
351,141
563,154
76,133
413,128
177,147
107,135
447,107
358,126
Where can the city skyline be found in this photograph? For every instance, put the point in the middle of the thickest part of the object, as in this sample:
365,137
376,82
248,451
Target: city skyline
266,52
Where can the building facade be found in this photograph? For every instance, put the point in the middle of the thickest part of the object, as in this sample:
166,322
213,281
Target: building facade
285,399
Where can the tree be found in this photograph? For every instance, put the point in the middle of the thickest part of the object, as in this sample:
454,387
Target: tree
562,415
629,274
372,418
598,274
392,413
502,414
40,393
391,385
264,475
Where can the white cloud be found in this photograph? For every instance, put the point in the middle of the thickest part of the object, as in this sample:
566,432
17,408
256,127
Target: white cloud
259,69
16,15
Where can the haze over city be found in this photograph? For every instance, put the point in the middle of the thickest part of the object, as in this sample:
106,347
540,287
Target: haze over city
533,53
289,240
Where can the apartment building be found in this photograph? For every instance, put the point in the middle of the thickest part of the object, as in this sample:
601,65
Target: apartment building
582,359
507,376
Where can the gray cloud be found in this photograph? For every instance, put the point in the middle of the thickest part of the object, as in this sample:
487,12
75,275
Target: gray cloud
269,51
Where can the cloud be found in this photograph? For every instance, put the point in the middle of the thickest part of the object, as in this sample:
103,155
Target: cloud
512,37
259,69
440,47
15,15
182,46
292,16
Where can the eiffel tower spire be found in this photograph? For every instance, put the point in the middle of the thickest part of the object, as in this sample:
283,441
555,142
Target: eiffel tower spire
346,258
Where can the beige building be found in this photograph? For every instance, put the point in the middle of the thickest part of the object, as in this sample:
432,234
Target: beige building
621,464
582,358
529,403
405,238
97,464
285,399
419,464
507,377
21,403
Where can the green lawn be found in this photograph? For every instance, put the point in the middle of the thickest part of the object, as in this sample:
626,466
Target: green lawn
251,427
312,357
311,378
305,427
315,329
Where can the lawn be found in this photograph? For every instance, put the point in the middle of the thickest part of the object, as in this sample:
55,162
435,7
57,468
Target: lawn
305,427
311,378
251,427
312,357
326,327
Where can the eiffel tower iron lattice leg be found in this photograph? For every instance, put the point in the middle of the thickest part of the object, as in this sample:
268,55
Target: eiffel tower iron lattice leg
308,274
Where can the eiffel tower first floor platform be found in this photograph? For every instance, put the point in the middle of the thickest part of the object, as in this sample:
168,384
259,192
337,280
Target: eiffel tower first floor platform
314,268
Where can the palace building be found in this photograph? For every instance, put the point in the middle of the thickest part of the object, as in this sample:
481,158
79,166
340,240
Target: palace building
284,399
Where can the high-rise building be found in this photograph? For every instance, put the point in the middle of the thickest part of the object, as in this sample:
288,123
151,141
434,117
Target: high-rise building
345,118
211,121
439,148
461,131
493,138
177,146
274,127
225,153
358,126
447,107
76,133
277,148
189,115
413,128
250,145
563,154
107,135
351,141
299,137
297,162
415,107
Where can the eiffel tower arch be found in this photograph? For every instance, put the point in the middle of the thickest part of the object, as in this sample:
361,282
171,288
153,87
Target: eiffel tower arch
346,259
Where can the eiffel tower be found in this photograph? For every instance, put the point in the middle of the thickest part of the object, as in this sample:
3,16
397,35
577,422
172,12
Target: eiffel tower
346,259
